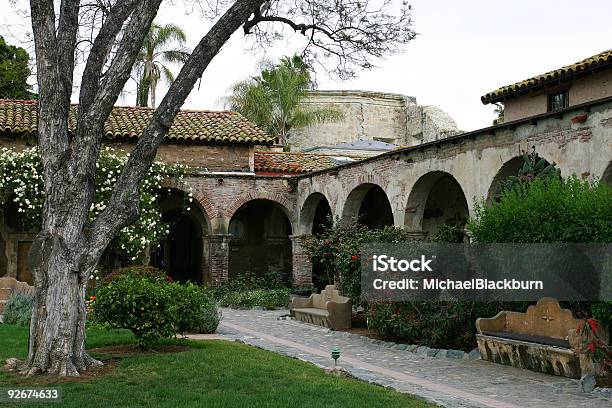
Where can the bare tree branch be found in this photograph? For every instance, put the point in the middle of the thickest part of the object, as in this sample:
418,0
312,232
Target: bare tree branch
121,65
54,97
350,31
100,50
66,40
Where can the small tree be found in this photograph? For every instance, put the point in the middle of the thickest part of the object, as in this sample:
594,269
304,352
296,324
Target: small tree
14,72
273,100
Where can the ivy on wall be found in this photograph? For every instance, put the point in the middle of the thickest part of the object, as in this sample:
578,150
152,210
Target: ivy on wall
21,182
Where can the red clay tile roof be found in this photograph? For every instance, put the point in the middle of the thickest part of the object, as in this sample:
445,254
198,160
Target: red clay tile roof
289,162
598,61
129,122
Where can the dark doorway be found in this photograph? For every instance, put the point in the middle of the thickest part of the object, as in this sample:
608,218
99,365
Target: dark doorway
446,205
260,242
375,210
181,253
322,217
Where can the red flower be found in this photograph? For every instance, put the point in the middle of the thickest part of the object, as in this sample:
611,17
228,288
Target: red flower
327,254
355,257
591,347
92,298
593,325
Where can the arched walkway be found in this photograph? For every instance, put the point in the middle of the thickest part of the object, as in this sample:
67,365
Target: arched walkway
368,203
436,199
184,252
315,215
260,242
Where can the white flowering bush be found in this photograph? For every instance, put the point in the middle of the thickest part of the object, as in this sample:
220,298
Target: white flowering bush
21,180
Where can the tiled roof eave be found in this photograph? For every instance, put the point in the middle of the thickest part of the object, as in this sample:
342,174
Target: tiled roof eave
596,63
128,123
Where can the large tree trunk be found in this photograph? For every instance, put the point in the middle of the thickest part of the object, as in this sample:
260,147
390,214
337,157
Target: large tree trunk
57,333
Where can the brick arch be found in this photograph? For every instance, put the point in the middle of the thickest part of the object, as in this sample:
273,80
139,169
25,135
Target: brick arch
350,187
329,191
204,204
207,206
307,210
284,203
357,197
381,182
510,167
420,193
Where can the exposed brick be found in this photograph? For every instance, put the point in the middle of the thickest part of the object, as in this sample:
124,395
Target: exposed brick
302,267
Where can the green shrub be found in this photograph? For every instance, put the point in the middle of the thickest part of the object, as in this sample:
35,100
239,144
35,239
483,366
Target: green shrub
534,167
551,210
449,233
145,302
249,290
143,305
246,282
139,271
18,309
448,325
194,311
266,298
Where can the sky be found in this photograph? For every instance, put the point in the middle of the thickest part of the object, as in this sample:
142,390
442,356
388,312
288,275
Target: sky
463,50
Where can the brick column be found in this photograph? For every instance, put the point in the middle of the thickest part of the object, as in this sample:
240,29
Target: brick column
302,267
218,257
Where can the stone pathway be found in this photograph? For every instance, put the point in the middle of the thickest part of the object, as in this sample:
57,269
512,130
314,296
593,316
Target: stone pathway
448,382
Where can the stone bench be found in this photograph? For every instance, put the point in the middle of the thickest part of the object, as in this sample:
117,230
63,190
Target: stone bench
9,285
545,339
327,309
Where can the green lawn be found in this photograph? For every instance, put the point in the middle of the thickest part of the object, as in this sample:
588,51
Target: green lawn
213,374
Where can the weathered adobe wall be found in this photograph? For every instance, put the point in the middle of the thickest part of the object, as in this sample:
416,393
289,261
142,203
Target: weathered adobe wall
582,149
214,158
584,89
391,118
366,115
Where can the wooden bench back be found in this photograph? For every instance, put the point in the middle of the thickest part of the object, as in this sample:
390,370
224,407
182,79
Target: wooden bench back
546,318
330,294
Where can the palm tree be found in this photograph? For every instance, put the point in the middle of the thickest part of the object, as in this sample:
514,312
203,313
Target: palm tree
273,100
151,64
